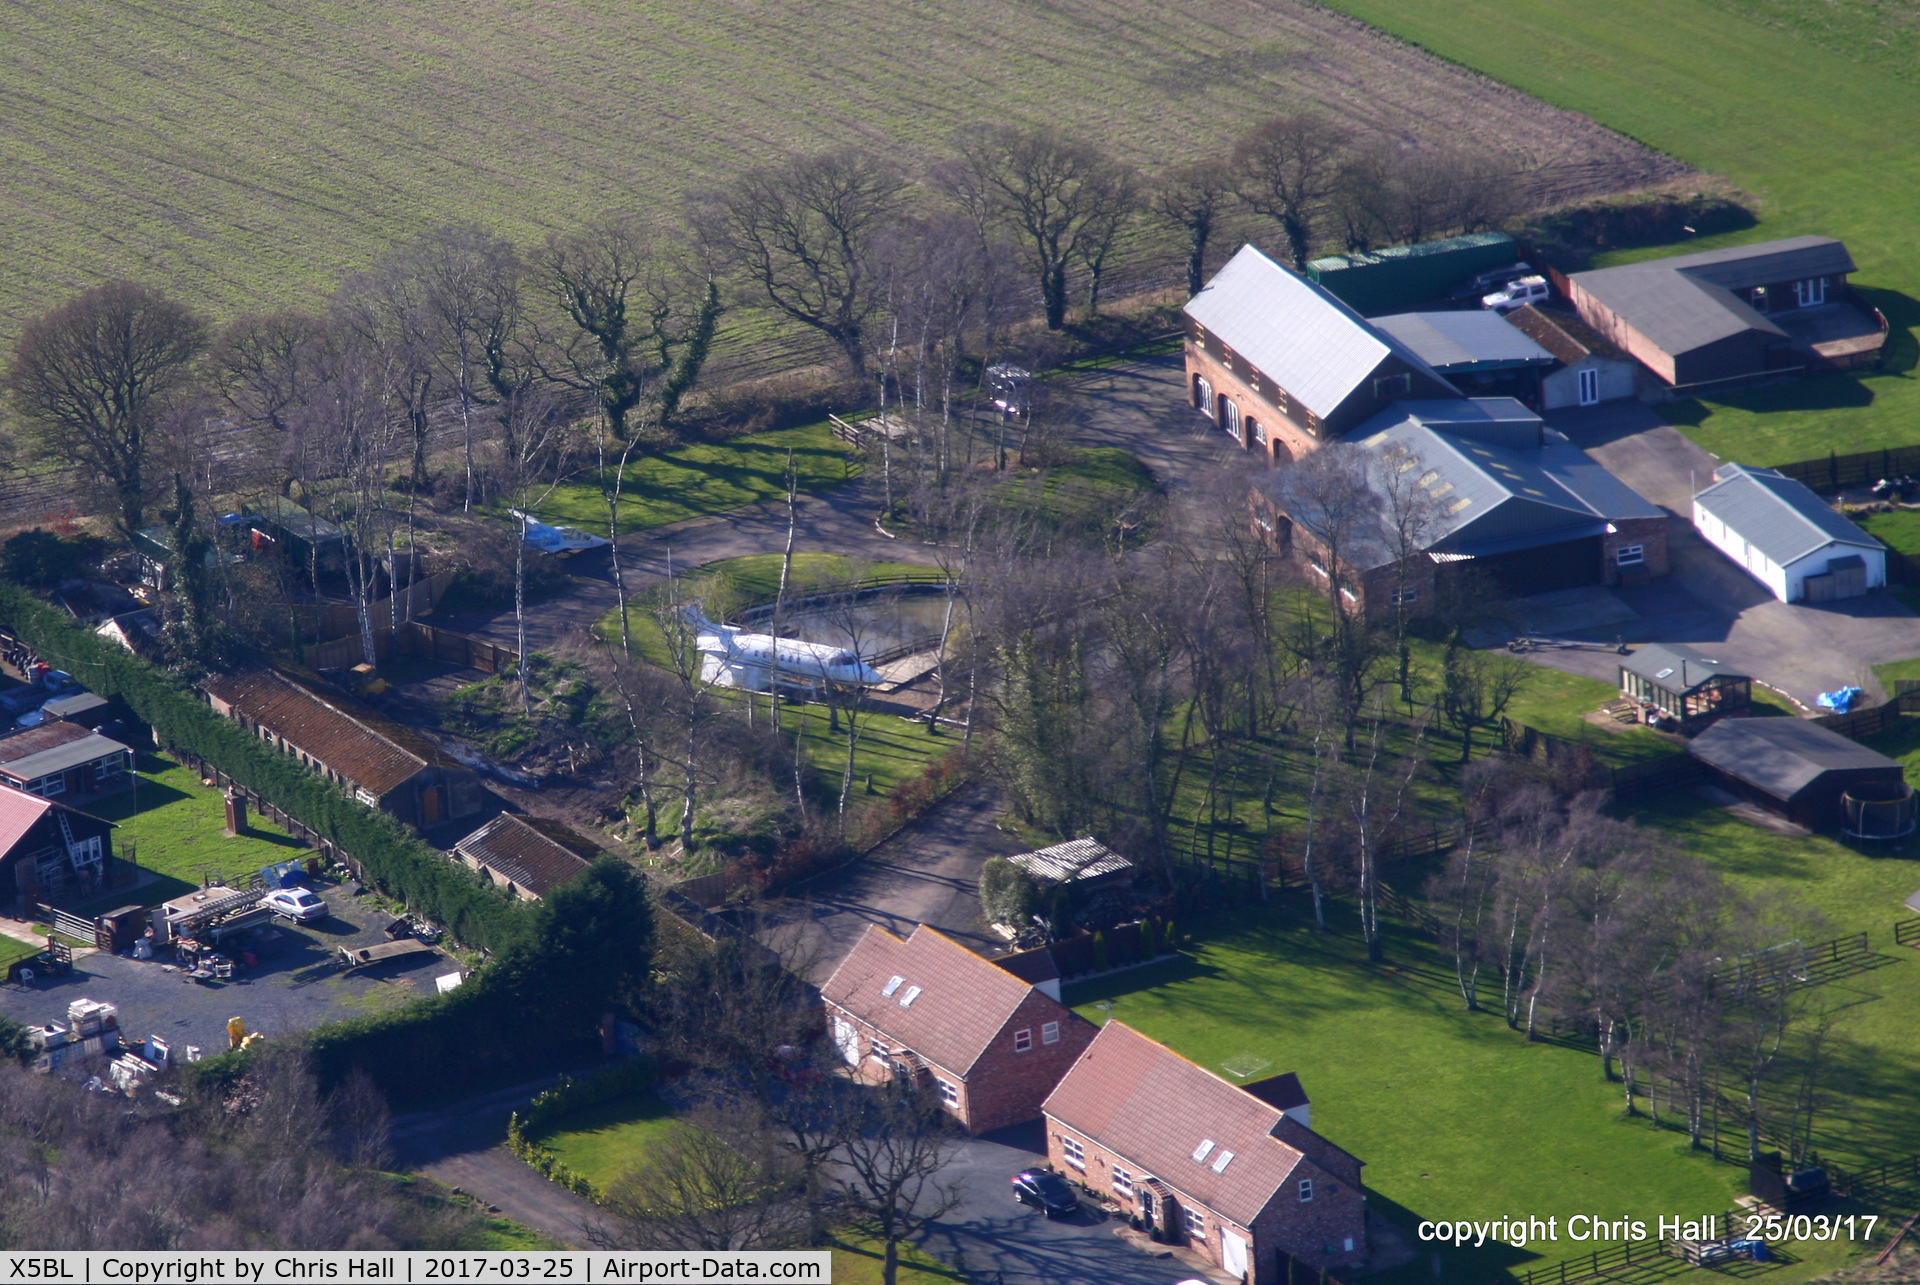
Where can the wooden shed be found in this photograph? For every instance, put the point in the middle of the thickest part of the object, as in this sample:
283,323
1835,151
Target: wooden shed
1793,767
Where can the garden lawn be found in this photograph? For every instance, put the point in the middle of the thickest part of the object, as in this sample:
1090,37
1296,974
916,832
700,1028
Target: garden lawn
175,826
1554,701
606,1140
1768,92
1874,1107
1454,1115
704,478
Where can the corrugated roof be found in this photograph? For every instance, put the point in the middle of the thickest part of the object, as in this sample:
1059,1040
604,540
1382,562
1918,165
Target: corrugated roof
376,754
1075,859
963,1001
1452,341
1777,515
1491,497
535,853
1146,1103
18,813
1782,756
34,740
78,703
1675,668
1294,331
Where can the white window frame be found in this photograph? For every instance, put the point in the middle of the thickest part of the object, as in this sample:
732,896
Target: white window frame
949,1094
1122,1181
1231,420
1206,395
1072,1152
1630,555
1050,1033
48,786
1023,1039
1406,597
1196,1222
1257,431
1810,292
1306,1191
1589,386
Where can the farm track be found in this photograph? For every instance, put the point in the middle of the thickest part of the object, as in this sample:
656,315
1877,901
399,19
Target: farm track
249,156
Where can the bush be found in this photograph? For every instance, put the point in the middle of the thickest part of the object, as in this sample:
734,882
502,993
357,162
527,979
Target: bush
1008,894
40,557
395,860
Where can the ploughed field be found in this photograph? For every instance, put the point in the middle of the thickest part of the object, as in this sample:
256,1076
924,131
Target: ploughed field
250,155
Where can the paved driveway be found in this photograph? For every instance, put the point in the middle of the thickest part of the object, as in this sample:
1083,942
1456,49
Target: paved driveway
994,1240
1707,602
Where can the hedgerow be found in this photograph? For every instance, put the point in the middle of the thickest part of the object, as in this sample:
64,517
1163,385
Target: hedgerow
393,858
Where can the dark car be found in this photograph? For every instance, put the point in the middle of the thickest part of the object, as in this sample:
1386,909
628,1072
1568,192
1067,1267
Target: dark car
1046,1191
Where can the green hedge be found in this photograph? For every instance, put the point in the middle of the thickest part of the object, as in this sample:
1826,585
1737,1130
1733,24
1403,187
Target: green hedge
395,860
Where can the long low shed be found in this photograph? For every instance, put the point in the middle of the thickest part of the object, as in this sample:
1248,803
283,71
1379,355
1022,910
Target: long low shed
1794,768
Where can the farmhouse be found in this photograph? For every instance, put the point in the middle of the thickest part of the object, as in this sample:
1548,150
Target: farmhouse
1282,366
1786,537
1726,315
1478,352
1507,495
1588,369
1224,1168
1680,683
59,757
1795,768
930,1010
47,849
381,763
527,856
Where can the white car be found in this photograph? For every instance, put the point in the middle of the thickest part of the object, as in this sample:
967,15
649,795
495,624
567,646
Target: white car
1518,294
298,904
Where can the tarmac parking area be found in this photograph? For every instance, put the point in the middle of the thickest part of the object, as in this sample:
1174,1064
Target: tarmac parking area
297,984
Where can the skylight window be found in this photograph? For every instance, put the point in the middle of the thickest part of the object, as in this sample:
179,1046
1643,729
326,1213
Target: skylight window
892,986
1665,673
913,993
1459,504
1201,1152
1221,1161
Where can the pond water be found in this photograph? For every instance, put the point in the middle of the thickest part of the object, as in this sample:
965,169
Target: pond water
877,624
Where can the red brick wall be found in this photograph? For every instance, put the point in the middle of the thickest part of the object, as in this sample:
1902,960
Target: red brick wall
1315,1232
1286,438
1650,533
1003,1087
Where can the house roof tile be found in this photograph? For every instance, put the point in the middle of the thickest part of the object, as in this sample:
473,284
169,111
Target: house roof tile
948,1004
1144,1102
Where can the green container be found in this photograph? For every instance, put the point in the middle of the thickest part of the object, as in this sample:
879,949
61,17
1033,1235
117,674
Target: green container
1404,277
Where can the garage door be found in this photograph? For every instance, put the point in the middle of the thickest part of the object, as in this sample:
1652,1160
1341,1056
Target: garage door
847,1040
1571,564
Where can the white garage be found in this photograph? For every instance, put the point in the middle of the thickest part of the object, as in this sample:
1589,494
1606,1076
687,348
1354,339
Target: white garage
1786,537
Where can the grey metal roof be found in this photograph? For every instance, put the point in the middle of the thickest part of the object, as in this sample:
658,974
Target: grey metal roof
1294,331
1493,496
1783,756
1460,341
1074,859
78,703
1674,668
1777,515
62,758
1742,267
1674,310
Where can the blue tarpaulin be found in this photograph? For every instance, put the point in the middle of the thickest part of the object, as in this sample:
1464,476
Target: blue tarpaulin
1839,702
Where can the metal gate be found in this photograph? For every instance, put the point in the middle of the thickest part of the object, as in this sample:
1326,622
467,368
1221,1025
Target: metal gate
68,924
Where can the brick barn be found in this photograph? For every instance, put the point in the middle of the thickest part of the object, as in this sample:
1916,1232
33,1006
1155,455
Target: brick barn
1230,1170
1282,366
992,1045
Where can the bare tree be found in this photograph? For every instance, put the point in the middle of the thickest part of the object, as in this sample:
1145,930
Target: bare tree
714,1182
898,1141
1062,198
1192,199
263,366
534,444
1394,192
638,318
802,233
91,379
1476,688
1286,168
696,705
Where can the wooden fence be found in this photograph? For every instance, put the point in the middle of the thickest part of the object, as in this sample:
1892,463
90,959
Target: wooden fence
340,622
416,639
1862,468
1907,933
1602,1262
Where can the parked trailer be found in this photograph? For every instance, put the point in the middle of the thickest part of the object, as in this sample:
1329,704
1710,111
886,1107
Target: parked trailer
361,956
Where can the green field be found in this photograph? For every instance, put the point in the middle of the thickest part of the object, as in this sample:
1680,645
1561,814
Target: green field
1780,96
176,825
705,478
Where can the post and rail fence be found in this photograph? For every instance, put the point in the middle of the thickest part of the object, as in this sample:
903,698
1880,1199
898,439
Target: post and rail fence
1907,933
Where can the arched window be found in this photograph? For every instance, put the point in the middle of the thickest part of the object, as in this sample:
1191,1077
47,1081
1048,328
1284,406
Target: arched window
1230,415
1203,395
1256,432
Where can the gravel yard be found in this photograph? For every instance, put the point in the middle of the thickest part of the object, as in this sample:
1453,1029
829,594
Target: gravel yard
298,984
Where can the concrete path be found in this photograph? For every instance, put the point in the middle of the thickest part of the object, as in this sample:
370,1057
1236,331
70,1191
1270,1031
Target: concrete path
927,874
462,1145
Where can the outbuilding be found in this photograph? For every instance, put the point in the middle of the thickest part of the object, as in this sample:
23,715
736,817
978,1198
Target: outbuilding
48,849
527,856
1082,864
1478,352
60,758
1786,537
1681,683
1588,369
1795,768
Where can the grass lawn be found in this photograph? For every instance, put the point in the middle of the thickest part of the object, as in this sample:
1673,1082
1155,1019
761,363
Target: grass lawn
175,824
1455,1115
607,1139
1780,96
1553,701
703,478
